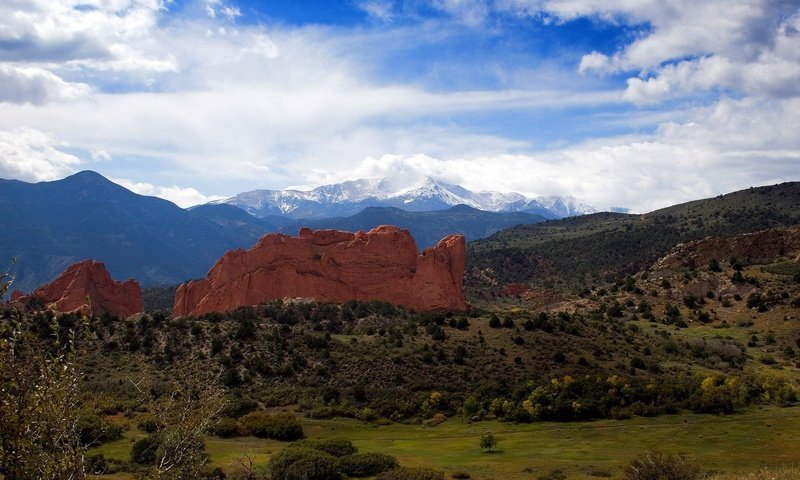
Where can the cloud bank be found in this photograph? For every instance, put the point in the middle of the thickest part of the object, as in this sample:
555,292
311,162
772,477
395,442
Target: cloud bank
696,99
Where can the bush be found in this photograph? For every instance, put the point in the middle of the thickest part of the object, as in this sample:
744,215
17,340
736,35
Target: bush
93,430
226,427
149,424
655,465
366,464
96,464
552,475
404,473
299,463
338,447
278,427
144,450
460,475
239,407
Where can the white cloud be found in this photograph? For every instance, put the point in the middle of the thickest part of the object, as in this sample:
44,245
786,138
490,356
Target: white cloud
183,197
595,62
729,146
47,41
33,156
470,12
751,46
100,156
381,10
227,107
37,86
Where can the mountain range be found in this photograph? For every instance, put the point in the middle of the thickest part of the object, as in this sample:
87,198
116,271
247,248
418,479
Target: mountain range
48,226
351,197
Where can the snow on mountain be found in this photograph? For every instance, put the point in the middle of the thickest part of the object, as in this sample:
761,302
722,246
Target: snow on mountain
348,198
566,206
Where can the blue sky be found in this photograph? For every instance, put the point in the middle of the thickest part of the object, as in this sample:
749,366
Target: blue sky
634,103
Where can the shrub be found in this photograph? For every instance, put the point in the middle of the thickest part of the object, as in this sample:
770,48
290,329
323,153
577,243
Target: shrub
488,441
337,447
278,427
96,464
226,427
149,423
93,430
655,465
404,473
144,450
459,475
366,464
553,475
299,463
239,407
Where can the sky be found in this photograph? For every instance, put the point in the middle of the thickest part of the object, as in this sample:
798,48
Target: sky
623,103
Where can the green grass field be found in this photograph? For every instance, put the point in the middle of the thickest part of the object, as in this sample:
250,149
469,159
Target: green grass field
735,443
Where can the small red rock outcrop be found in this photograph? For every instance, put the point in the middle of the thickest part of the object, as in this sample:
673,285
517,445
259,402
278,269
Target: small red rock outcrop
329,265
752,248
68,293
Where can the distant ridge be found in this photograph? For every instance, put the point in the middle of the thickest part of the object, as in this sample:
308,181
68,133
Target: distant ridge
349,198
426,227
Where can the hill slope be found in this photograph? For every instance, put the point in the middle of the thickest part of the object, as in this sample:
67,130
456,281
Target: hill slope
50,225
576,250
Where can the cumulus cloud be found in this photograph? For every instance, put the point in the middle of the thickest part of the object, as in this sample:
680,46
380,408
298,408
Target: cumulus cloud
33,156
45,42
37,86
183,197
728,146
227,107
688,46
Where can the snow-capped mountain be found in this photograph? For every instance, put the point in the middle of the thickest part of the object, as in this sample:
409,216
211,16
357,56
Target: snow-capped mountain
348,198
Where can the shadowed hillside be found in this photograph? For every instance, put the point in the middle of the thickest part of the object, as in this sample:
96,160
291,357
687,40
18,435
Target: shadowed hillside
582,249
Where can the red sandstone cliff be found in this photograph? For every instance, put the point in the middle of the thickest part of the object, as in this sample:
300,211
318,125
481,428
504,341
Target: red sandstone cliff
69,292
329,265
751,248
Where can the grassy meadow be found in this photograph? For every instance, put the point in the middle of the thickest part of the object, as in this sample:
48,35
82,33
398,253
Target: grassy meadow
747,442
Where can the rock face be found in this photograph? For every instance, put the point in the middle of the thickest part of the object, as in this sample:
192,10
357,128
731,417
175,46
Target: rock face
68,293
330,265
752,248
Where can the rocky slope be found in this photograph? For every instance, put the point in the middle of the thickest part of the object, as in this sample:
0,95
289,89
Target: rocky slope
382,264
87,286
750,248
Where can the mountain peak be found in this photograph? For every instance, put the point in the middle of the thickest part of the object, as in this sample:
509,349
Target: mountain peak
425,193
85,176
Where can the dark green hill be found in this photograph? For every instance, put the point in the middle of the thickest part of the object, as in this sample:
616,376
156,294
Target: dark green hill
426,227
49,225
579,249
234,218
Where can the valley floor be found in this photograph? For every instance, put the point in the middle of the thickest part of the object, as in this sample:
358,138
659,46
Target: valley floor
744,442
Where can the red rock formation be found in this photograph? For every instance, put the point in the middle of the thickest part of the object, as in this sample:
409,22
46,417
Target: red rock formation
329,265
751,248
68,293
